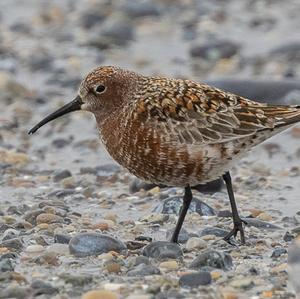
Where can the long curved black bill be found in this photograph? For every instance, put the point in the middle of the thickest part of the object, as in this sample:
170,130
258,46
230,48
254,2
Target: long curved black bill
70,107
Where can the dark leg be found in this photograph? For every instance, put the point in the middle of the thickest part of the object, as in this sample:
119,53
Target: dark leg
237,221
187,198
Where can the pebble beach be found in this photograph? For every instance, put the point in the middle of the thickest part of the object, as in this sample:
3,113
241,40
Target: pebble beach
73,223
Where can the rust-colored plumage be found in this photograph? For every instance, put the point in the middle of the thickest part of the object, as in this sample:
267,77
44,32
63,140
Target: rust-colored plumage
179,132
176,132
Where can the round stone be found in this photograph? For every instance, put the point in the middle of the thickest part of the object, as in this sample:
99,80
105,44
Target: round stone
48,218
143,270
162,250
87,244
173,205
214,259
59,249
168,265
100,294
34,249
193,280
195,243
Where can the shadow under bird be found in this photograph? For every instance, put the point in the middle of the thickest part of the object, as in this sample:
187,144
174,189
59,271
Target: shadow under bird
175,132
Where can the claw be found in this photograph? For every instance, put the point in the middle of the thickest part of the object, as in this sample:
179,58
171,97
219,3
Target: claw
238,227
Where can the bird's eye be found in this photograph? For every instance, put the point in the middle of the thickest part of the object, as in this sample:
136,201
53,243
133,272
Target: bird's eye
100,88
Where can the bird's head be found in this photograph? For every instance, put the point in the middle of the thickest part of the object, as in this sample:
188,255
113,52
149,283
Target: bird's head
103,91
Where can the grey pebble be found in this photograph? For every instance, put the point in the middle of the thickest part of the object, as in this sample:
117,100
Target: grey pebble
278,252
141,260
137,8
61,142
21,28
212,258
261,224
294,265
10,255
296,230
10,234
290,50
76,280
173,204
143,270
40,287
107,169
6,265
91,18
18,210
31,216
4,227
242,282
87,244
61,174
182,237
40,62
214,50
88,170
61,193
13,244
118,32
193,280
113,32
288,237
224,213
62,238
137,260
162,250
216,231
15,291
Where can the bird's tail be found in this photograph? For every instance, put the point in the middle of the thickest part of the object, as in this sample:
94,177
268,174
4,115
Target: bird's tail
283,116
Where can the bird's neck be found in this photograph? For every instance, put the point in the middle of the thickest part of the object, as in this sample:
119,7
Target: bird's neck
111,131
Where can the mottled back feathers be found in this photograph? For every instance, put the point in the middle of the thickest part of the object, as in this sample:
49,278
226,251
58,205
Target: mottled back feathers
196,113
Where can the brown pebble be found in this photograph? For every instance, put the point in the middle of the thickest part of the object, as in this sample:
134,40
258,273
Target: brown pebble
11,157
169,265
113,267
49,258
267,294
21,183
43,226
100,294
265,217
4,250
26,225
48,218
255,212
19,278
229,295
215,275
101,225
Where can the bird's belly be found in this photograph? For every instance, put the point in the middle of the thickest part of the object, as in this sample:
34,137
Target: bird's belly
155,157
174,164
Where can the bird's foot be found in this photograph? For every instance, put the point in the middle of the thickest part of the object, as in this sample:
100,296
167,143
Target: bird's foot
174,239
237,227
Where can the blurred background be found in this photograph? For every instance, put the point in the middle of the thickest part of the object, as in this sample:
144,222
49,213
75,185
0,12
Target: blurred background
249,47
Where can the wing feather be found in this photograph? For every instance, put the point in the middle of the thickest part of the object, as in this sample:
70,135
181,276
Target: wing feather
195,113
